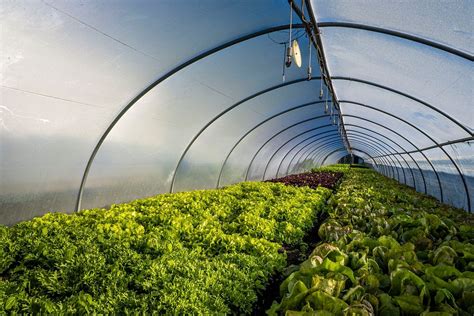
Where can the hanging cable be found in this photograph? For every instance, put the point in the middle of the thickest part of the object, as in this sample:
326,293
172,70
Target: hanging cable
326,106
321,94
310,70
283,64
288,48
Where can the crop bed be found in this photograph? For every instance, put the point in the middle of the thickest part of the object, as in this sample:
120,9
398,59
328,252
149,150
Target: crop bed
385,250
327,179
203,252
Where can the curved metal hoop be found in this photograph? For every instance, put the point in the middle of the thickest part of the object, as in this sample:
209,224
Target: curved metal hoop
444,151
383,142
395,174
370,83
397,34
407,140
158,81
254,128
404,151
264,144
399,162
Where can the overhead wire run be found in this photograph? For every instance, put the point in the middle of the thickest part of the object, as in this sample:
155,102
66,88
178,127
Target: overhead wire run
312,28
288,48
310,69
52,96
99,31
298,34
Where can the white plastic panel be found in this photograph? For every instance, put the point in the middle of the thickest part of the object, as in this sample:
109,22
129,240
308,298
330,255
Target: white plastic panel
201,165
405,141
140,155
417,173
451,181
67,68
434,76
278,155
307,156
317,154
236,167
367,97
463,155
301,131
445,22
300,148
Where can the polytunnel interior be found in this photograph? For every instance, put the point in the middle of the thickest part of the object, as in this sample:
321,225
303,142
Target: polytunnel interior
105,102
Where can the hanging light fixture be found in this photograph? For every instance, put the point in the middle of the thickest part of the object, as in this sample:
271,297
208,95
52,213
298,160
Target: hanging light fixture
310,70
321,94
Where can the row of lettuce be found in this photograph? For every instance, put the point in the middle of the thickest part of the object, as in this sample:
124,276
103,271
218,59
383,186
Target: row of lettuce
385,250
203,252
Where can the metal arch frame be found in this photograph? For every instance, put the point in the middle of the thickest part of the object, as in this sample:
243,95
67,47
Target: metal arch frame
383,142
342,155
376,149
309,151
451,142
358,137
302,148
395,174
296,136
314,35
326,146
331,132
332,152
444,151
405,152
359,143
284,157
377,168
406,36
387,113
356,134
161,79
363,152
281,131
370,83
407,140
355,149
148,88
283,145
311,142
228,109
255,127
352,148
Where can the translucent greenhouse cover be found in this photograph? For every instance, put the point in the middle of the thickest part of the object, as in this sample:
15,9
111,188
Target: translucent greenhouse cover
103,102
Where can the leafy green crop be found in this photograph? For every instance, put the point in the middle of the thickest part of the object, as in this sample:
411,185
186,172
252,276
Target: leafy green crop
385,250
202,252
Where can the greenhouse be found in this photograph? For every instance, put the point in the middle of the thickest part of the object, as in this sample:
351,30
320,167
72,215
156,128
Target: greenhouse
269,157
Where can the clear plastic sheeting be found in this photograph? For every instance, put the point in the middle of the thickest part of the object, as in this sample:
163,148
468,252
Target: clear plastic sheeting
161,125
463,156
300,148
69,68
357,98
420,71
403,74
454,192
446,22
104,102
258,164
